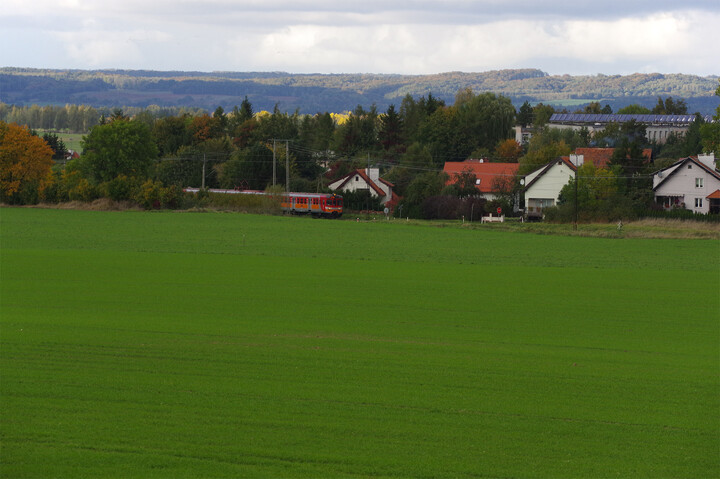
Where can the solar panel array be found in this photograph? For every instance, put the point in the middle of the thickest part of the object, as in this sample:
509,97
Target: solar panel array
600,118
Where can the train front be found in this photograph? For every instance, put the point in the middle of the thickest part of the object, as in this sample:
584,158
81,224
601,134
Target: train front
333,205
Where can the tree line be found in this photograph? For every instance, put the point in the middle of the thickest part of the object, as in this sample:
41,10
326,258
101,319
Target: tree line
152,153
72,118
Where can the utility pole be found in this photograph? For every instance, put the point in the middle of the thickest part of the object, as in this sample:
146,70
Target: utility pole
274,168
203,178
287,163
576,198
368,175
287,166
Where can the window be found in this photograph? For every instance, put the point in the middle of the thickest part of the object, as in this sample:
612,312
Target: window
698,182
698,202
689,167
477,182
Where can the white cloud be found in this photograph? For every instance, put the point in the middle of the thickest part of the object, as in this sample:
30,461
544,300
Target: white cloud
656,39
101,49
410,36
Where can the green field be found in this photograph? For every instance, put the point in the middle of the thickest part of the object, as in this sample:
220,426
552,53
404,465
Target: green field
72,141
148,344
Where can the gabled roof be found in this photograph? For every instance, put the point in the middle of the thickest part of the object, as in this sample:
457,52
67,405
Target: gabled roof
486,172
385,182
549,166
677,167
715,195
361,173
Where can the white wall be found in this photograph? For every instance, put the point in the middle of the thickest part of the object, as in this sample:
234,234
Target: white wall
683,184
548,186
357,182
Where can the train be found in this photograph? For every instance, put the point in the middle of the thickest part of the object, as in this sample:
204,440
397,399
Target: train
319,205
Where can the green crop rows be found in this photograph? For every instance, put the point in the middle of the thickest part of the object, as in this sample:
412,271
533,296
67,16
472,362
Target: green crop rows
226,345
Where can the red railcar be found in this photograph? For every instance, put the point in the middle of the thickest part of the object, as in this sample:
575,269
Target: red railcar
315,204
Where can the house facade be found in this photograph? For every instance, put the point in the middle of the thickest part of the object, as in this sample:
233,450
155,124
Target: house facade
542,186
691,183
366,179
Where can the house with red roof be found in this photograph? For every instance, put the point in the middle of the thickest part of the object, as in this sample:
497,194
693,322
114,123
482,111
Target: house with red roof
600,157
692,183
490,178
542,186
367,179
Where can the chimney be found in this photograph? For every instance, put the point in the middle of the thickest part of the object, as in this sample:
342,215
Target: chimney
577,160
708,160
374,174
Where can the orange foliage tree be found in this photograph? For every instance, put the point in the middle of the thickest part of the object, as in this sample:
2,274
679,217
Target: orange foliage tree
25,164
508,151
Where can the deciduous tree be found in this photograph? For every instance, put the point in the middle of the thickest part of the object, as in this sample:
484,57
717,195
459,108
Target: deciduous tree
119,147
508,151
25,164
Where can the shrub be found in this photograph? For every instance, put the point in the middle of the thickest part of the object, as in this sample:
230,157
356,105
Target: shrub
120,188
453,208
149,195
83,190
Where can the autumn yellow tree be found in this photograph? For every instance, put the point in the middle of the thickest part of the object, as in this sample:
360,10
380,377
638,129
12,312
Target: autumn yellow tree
25,164
508,151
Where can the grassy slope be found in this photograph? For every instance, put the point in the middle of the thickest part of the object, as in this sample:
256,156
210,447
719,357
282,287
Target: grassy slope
72,141
170,345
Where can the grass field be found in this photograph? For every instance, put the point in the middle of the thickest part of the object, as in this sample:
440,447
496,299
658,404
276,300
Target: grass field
72,141
138,344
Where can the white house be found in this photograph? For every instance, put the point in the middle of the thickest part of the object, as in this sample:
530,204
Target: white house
692,183
542,186
365,179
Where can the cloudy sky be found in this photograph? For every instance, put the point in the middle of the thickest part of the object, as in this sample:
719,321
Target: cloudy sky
370,36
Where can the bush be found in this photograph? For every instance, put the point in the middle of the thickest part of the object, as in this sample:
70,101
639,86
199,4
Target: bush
82,190
453,208
120,188
149,195
680,213
153,195
361,200
264,204
53,192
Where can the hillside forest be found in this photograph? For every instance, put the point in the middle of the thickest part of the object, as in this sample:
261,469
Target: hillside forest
313,93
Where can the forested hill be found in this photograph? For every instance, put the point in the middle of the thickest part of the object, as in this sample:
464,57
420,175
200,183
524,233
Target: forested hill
312,93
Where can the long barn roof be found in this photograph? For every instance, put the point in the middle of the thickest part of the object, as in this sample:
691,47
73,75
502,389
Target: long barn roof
647,119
